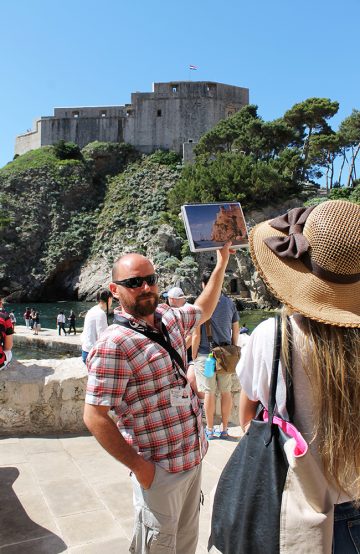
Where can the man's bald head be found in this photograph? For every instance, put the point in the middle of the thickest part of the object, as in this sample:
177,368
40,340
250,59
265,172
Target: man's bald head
140,300
131,265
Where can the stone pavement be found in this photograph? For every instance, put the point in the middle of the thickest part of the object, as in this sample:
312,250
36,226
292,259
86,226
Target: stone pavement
66,494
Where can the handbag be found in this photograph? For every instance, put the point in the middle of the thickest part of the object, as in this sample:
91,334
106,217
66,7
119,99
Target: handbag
272,496
226,356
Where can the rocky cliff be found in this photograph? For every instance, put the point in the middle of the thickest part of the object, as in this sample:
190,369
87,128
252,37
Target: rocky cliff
66,221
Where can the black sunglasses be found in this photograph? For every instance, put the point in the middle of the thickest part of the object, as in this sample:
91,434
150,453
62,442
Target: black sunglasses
136,282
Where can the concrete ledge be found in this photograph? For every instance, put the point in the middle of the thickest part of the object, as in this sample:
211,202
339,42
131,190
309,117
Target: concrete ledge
47,396
48,339
42,396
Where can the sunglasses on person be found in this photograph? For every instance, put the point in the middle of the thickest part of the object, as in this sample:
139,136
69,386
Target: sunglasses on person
136,282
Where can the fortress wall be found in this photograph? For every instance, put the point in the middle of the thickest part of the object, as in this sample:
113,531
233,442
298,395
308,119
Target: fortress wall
90,111
175,113
28,141
81,130
155,124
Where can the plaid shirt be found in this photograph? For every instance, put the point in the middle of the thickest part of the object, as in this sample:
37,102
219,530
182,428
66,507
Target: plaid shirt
134,375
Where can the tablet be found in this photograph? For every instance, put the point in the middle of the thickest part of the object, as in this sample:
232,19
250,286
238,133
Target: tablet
210,226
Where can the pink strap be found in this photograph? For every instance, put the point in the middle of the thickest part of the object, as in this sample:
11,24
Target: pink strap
289,429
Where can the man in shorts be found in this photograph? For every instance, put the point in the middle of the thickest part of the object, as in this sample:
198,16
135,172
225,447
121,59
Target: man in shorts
156,428
223,327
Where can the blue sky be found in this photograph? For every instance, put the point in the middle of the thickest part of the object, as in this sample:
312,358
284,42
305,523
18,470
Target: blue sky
89,52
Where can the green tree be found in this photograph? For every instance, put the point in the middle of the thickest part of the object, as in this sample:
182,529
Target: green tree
221,138
308,118
323,151
349,132
231,176
67,150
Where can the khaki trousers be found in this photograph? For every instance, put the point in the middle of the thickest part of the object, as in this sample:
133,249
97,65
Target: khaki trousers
167,514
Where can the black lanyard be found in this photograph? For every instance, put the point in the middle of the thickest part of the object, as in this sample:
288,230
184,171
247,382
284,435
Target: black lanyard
161,339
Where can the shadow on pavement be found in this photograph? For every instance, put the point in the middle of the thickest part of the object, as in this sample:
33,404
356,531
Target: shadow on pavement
16,527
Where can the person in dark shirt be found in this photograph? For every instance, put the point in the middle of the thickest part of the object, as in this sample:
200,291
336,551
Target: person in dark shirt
224,326
72,321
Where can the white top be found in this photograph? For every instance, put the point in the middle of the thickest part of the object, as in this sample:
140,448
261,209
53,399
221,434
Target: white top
61,318
95,323
254,372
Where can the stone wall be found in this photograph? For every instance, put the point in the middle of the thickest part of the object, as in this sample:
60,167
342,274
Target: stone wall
29,141
42,397
173,113
81,130
177,112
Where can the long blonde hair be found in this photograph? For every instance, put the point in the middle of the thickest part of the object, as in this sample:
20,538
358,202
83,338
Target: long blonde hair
331,359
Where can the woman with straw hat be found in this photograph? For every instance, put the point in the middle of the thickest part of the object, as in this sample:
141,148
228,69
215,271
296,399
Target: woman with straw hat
310,260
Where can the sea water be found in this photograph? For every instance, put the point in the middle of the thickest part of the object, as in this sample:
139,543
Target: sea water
49,310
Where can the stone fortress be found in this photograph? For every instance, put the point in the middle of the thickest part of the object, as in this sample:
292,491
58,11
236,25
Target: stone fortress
229,224
172,117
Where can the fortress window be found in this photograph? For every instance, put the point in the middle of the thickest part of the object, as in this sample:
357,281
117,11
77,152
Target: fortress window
103,113
159,113
210,87
175,88
75,114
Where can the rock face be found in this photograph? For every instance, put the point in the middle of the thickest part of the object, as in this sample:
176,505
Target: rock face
42,397
69,220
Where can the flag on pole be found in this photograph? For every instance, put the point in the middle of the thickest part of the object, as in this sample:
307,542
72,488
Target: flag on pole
193,67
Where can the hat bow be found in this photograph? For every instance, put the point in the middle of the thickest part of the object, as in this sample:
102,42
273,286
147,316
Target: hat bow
294,244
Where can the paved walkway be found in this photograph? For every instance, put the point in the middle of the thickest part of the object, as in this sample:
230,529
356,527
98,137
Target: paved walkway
66,494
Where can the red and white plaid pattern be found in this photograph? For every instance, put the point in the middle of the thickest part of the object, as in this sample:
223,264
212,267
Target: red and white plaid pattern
134,375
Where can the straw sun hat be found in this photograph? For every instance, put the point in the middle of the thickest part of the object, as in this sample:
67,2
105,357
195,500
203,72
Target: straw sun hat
310,260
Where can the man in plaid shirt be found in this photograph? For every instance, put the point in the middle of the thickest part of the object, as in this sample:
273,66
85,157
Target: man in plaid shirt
159,435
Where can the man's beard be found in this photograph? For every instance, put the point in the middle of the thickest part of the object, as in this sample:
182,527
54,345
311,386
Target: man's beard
143,305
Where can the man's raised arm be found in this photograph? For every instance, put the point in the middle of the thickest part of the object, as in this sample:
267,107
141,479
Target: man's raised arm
209,297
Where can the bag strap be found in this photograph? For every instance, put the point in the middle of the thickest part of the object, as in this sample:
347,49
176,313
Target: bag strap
290,404
208,328
274,377
162,340
290,400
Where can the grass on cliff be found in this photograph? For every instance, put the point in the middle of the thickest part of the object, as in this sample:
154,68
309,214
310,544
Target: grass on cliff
36,159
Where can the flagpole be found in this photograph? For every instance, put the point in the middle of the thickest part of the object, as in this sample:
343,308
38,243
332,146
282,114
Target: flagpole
191,68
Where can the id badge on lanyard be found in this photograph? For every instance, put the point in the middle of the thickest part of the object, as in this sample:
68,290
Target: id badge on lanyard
180,396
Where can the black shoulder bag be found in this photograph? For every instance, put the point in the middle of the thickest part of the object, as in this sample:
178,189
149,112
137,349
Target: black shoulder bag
272,495
247,503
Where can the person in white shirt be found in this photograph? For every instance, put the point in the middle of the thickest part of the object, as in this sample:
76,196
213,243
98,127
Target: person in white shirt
96,321
309,258
60,320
